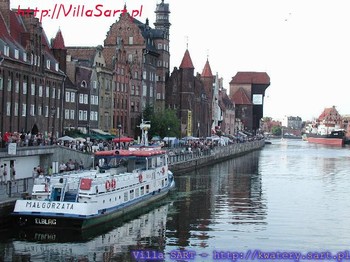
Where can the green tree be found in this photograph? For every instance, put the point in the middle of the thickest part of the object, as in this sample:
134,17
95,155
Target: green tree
276,130
163,123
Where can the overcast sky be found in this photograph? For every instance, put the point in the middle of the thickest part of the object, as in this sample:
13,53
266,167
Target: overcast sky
302,44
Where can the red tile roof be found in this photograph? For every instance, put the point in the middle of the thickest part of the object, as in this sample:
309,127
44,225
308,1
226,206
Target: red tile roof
58,41
187,61
241,97
207,70
251,78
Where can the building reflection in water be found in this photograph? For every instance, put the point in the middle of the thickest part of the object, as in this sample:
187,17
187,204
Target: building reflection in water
216,199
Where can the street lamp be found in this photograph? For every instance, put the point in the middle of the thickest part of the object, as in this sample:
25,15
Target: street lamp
168,136
53,113
119,128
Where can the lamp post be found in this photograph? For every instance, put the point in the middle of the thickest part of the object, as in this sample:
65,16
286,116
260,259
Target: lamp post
119,128
168,137
53,113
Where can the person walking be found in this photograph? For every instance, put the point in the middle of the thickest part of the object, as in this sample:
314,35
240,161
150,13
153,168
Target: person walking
5,173
2,174
12,173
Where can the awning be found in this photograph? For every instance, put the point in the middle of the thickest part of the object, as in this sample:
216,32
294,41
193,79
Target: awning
122,139
99,131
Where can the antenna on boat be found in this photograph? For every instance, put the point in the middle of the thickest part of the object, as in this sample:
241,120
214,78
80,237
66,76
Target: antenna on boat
144,126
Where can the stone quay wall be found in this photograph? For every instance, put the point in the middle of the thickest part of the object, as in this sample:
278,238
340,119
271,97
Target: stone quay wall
189,161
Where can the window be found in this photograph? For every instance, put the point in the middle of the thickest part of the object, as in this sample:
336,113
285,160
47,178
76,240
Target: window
40,111
46,111
131,40
72,114
47,91
66,114
81,98
6,50
81,114
32,110
24,109
53,92
144,75
32,89
9,84
86,99
1,83
16,86
16,53
85,115
159,46
56,66
94,84
8,108
24,88
24,56
72,97
83,83
67,97
48,64
130,58
16,109
132,90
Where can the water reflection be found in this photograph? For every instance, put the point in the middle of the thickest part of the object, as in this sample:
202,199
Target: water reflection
111,242
215,200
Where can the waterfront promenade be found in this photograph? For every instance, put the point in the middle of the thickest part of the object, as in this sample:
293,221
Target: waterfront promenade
180,162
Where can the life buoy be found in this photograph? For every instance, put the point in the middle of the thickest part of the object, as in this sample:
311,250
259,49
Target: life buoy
114,183
140,178
108,185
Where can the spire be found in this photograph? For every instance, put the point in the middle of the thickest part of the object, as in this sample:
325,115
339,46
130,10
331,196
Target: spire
207,70
187,61
58,41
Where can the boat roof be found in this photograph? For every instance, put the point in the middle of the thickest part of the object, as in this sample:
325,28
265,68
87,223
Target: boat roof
129,153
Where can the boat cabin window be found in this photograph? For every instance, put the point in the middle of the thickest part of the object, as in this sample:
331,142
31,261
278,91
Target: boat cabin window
142,190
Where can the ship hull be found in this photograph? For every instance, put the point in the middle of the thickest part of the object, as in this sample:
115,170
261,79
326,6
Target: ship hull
326,141
59,221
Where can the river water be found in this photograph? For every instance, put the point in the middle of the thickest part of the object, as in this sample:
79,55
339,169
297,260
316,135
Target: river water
289,201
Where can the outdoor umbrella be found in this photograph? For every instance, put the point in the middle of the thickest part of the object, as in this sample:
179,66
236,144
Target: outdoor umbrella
66,138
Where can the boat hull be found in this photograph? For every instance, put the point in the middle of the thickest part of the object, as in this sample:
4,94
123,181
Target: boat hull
326,141
56,221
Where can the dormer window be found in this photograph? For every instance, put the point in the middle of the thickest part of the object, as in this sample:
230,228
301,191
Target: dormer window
24,56
16,54
48,64
56,66
6,50
83,84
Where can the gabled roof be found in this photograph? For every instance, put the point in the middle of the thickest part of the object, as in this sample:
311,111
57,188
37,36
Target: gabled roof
207,70
187,61
58,41
330,112
82,53
251,78
241,98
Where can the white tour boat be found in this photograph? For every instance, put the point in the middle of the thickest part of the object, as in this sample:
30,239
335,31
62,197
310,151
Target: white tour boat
126,180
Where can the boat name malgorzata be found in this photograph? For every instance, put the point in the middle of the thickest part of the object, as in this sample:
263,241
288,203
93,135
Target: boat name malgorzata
48,205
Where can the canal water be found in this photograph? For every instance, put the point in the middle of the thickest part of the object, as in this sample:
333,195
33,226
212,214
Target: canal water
289,201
